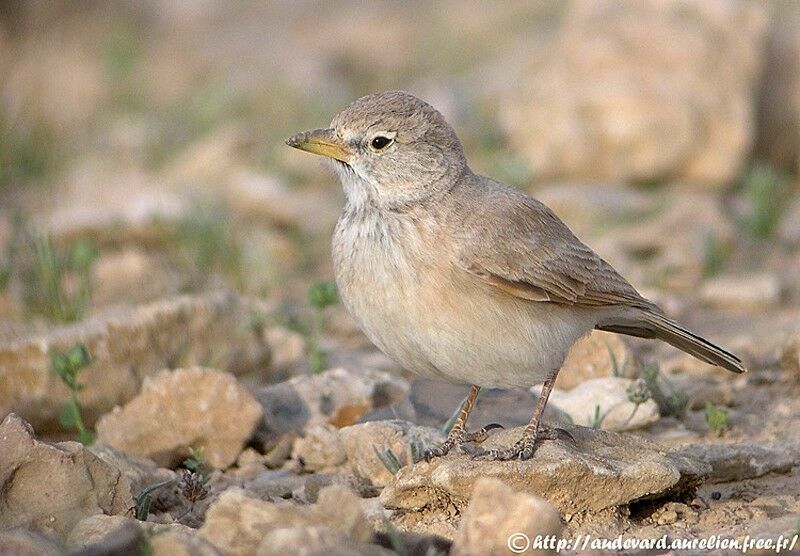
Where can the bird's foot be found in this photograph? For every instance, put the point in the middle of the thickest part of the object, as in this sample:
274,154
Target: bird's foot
459,437
525,447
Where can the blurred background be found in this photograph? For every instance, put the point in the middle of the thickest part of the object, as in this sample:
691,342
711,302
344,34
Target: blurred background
142,155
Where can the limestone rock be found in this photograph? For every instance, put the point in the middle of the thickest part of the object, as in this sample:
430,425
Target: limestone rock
315,541
50,487
364,441
598,355
642,91
737,462
102,529
237,523
22,542
183,409
127,347
140,472
337,396
498,518
607,399
601,470
756,292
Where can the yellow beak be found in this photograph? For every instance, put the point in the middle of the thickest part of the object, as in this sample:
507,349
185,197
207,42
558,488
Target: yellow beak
321,141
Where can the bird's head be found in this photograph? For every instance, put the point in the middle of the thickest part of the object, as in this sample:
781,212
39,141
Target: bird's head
391,149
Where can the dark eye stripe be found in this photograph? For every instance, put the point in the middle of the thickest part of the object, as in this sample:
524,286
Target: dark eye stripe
380,142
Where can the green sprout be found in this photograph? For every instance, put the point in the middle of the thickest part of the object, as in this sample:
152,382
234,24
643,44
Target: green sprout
716,418
669,399
320,296
143,499
389,460
713,256
67,365
766,190
58,280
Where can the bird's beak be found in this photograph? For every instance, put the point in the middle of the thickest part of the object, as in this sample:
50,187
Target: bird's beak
321,141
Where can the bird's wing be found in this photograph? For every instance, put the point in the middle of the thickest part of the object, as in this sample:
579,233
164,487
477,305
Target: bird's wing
520,246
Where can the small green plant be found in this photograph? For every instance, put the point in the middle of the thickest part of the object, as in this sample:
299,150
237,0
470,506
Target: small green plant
766,190
669,399
389,459
197,464
597,418
716,418
194,477
207,247
320,296
58,280
143,499
67,365
713,256
5,277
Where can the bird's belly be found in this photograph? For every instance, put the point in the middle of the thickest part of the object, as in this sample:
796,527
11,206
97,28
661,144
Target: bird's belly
446,325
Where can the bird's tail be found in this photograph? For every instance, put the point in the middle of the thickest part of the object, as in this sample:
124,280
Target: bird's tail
647,324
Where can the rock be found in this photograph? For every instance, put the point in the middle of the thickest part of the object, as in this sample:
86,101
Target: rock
130,276
115,534
598,355
179,540
609,400
337,396
140,472
183,409
364,441
22,542
642,91
498,519
103,530
315,541
320,448
789,226
357,448
50,487
737,462
779,104
288,347
237,523
602,470
126,347
755,292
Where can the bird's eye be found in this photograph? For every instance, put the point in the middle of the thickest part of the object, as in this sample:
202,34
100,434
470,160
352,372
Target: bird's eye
380,142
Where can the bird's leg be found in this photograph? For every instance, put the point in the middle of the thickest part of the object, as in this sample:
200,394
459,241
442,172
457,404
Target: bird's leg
526,446
457,434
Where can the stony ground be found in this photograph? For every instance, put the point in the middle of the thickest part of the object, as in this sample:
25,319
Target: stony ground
177,376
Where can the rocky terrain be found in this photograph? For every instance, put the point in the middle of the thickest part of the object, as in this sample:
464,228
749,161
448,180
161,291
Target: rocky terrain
178,377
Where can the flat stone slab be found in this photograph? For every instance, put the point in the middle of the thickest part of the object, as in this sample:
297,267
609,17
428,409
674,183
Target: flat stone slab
601,470
736,462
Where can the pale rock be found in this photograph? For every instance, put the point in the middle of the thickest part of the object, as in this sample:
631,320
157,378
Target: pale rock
738,462
778,139
364,441
499,518
642,91
140,472
50,487
288,347
598,355
755,292
601,470
130,276
23,542
609,398
126,347
183,409
236,523
337,397
320,448
99,529
179,540
315,540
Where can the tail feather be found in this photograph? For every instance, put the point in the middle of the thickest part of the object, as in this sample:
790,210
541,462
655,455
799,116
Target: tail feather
647,324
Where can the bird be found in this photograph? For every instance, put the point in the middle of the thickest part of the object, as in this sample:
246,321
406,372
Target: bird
458,277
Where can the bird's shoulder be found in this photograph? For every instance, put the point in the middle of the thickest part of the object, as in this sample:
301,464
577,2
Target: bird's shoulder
516,243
